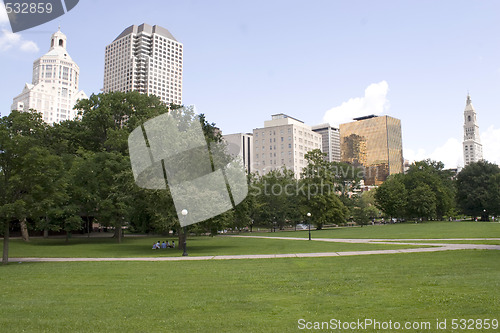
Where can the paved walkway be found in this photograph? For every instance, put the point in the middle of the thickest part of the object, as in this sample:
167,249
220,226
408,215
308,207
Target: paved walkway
435,247
406,241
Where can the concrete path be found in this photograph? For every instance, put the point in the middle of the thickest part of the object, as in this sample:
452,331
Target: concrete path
406,241
435,247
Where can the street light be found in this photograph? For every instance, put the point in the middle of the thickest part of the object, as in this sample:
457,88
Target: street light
309,222
184,212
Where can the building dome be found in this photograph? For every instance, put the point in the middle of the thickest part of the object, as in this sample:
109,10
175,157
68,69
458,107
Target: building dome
58,39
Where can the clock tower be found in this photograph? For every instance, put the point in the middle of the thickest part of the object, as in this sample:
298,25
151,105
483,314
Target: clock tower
473,150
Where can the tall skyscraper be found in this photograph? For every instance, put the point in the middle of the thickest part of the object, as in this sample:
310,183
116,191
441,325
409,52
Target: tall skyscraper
283,141
374,143
54,87
244,142
473,150
331,141
147,59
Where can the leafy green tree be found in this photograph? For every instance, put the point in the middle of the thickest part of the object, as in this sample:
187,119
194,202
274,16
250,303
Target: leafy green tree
108,118
277,191
479,189
392,197
432,174
363,209
320,179
422,202
51,190
327,208
23,160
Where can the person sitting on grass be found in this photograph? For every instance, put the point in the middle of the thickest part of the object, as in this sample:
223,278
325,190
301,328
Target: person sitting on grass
173,244
163,245
154,246
168,244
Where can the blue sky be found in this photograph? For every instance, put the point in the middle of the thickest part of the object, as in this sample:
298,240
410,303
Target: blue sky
246,60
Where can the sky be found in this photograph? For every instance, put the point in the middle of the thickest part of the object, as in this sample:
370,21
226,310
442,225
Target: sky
318,61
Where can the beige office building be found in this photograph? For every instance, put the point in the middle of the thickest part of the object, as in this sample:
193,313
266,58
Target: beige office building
283,142
374,143
147,59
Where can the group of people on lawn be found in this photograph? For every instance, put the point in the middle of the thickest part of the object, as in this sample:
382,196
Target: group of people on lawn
157,245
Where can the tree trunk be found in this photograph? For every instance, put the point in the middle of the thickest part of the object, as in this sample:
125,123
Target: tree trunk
5,258
24,230
118,233
46,233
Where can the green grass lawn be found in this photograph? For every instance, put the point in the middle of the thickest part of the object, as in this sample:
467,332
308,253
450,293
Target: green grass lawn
197,246
261,295
404,230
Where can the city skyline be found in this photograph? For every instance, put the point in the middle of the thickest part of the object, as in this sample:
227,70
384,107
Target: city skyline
324,61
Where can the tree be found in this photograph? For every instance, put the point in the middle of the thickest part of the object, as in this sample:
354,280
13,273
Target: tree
321,178
364,209
277,197
108,118
432,174
391,197
479,190
327,208
23,163
422,202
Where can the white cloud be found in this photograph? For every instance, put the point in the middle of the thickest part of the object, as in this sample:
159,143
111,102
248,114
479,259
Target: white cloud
412,155
450,153
29,46
10,40
374,102
491,144
3,15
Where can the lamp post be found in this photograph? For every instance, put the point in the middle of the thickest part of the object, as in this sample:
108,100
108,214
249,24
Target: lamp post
184,212
309,222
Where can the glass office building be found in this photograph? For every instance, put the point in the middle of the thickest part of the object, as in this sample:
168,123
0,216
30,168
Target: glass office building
374,143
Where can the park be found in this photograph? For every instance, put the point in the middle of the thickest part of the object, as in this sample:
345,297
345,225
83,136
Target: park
422,249
143,292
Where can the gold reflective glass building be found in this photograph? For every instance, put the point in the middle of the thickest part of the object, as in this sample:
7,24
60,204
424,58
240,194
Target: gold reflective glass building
374,143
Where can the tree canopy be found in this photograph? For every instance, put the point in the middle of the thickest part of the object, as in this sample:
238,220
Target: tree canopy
479,189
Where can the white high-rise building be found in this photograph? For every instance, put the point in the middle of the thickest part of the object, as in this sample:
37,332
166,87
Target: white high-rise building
283,141
473,149
54,88
244,142
147,59
331,141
